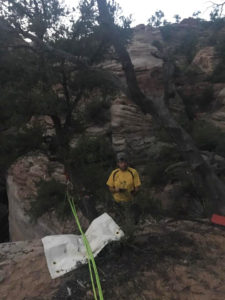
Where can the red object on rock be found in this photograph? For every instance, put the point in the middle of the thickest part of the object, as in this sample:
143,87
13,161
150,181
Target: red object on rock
67,176
217,219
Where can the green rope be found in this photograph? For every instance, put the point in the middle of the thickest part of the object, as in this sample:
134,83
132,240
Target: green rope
91,261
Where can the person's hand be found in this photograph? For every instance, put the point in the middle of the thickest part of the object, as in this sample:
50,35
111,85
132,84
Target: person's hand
122,190
135,191
116,190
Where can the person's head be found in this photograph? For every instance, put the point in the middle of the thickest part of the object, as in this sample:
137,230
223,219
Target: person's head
122,161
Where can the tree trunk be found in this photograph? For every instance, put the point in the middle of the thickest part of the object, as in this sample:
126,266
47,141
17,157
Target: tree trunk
157,108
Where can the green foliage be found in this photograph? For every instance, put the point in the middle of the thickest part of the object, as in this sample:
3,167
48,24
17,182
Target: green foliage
27,87
196,14
155,172
49,75
220,47
196,204
97,111
156,19
149,204
219,71
218,24
167,32
157,44
89,80
78,124
16,144
205,98
185,41
218,74
177,18
191,74
35,80
155,168
161,134
88,39
198,102
41,18
85,38
91,163
50,197
209,137
188,45
215,14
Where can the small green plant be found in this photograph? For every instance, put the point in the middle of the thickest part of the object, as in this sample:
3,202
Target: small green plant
218,74
155,168
90,163
196,203
16,144
167,32
155,172
156,19
197,102
188,45
206,98
157,44
219,71
50,196
97,111
177,18
148,204
196,14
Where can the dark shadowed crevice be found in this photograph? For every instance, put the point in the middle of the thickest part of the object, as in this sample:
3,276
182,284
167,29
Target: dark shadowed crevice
4,222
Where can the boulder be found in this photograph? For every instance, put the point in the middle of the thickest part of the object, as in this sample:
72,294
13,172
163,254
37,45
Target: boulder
22,180
218,119
45,122
24,273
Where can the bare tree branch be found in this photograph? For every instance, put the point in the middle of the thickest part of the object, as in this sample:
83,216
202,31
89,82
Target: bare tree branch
217,7
22,8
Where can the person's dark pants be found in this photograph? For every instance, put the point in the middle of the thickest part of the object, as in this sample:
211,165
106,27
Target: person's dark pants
127,215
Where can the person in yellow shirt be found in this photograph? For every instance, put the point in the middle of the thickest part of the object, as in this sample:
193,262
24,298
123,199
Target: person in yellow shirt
124,182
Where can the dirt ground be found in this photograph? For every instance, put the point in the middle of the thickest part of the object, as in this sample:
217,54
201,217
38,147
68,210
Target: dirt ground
170,260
